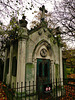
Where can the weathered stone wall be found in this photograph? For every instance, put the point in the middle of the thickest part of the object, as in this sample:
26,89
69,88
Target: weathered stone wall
29,47
10,55
34,45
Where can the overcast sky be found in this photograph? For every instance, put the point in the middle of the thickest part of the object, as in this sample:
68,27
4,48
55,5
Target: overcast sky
29,13
49,4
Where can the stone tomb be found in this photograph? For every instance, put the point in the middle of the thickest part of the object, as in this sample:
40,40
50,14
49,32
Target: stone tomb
34,56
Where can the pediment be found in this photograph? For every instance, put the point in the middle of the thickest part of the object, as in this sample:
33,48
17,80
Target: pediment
42,32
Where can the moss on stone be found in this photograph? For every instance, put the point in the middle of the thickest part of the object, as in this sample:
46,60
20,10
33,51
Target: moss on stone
29,72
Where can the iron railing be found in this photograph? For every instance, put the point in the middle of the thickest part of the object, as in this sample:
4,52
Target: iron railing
58,90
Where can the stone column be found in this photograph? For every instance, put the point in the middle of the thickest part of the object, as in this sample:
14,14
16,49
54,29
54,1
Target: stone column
61,67
21,61
10,64
4,73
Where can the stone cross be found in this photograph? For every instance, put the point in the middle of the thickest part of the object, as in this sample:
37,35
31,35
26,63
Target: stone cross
43,12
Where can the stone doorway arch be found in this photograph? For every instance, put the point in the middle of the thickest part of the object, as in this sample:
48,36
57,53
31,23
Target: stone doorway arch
43,63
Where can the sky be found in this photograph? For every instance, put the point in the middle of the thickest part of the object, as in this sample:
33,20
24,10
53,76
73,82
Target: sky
35,4
29,13
49,4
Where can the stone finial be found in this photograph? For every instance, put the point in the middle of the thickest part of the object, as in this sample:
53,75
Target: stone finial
43,12
23,22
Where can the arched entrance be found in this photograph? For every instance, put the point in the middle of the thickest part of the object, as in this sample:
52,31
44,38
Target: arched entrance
43,74
42,58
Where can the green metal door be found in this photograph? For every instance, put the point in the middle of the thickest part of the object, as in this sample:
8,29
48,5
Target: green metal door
43,73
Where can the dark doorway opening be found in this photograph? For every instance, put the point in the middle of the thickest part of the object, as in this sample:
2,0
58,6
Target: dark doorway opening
43,75
1,69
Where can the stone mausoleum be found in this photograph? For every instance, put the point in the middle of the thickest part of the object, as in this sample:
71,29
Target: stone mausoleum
34,56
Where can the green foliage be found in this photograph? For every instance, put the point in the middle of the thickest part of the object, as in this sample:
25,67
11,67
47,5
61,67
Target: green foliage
69,62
